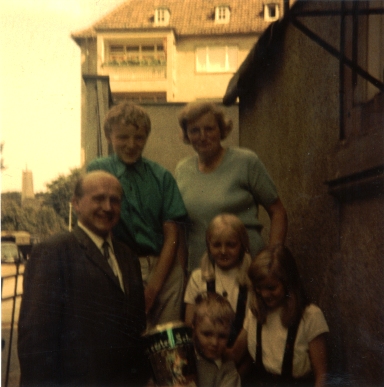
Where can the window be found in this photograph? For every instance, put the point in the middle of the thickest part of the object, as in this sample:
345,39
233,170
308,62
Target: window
218,59
136,54
271,12
162,16
364,41
368,52
222,14
356,164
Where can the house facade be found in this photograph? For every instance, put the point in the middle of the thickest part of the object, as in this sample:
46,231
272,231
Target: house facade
173,50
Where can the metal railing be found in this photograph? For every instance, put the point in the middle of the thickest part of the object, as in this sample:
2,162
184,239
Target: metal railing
136,73
13,299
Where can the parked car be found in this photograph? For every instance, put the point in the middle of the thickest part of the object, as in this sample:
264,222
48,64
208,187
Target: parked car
10,253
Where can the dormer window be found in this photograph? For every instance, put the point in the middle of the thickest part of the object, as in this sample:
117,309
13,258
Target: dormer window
162,16
222,14
271,12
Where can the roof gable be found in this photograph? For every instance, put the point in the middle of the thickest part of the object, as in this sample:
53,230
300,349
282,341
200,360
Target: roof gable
187,17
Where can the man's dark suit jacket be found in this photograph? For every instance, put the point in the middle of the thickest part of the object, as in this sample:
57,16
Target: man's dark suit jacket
76,326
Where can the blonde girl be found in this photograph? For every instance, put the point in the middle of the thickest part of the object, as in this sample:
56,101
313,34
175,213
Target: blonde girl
223,269
283,332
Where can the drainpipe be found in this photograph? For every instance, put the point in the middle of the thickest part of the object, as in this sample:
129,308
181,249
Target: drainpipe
286,6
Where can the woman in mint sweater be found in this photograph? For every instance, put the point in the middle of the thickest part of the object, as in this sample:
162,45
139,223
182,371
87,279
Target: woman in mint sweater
219,179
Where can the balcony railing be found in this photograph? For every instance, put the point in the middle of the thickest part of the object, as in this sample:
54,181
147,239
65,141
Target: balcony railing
135,72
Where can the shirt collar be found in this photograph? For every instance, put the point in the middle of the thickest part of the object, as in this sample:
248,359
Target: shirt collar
96,239
218,362
138,166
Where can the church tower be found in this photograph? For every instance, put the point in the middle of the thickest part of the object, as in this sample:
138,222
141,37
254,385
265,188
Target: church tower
27,193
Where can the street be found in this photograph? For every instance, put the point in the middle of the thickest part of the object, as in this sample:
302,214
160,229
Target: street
8,290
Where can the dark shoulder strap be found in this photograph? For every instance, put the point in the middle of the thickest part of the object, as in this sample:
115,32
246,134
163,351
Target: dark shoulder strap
241,306
211,286
258,355
240,315
286,369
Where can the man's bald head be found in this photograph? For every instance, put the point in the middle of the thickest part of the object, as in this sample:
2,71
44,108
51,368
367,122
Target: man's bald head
97,201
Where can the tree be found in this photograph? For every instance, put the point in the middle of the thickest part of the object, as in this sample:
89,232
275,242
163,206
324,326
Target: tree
38,219
11,211
60,192
2,166
47,214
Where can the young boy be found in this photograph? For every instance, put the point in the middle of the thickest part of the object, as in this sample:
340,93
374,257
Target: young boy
151,209
211,325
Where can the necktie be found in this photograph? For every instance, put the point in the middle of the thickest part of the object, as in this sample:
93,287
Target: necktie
112,263
106,250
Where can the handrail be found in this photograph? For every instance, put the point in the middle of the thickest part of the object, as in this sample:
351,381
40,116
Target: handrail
7,298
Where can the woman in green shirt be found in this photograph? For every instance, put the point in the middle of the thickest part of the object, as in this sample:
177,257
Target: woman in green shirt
219,179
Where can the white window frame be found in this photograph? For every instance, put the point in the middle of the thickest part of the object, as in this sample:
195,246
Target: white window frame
162,16
204,59
269,9
222,14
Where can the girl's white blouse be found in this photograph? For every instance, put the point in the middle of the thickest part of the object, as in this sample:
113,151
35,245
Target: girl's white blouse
274,336
225,281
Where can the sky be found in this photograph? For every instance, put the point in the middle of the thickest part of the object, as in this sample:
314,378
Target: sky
40,82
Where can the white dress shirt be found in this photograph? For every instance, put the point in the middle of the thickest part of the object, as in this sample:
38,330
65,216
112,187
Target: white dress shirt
112,261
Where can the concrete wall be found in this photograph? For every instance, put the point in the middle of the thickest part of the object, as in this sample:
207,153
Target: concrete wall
165,144
290,118
95,102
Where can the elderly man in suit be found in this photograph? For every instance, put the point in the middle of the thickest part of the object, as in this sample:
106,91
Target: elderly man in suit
83,313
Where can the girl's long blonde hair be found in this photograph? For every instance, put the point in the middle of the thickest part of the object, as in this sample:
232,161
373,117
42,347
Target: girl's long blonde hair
279,263
207,263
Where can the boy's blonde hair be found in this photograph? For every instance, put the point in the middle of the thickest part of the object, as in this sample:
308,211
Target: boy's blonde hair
215,307
126,113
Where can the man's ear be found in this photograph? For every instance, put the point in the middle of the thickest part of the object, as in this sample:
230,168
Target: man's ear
75,203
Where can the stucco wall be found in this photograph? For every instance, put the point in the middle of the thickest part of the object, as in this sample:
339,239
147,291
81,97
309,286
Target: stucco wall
190,85
290,118
88,49
361,289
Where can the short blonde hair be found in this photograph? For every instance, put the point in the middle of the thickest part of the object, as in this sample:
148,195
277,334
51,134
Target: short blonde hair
126,113
215,307
195,110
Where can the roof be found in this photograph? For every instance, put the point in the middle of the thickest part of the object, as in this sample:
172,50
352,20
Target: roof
260,64
83,34
262,61
187,17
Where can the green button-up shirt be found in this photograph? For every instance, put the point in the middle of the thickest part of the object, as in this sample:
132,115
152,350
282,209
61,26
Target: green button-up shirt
151,197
